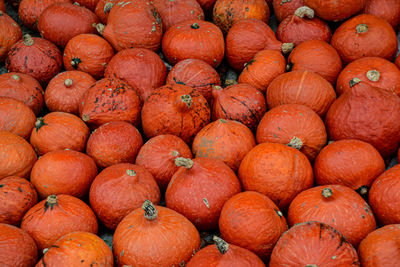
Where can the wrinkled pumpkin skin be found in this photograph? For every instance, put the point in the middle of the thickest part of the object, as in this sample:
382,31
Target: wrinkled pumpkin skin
334,10
10,33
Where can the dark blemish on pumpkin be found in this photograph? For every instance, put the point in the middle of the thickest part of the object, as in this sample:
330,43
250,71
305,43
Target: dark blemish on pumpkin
247,9
19,189
178,82
1,185
275,136
26,62
362,216
82,260
249,109
342,240
96,100
5,192
285,1
279,128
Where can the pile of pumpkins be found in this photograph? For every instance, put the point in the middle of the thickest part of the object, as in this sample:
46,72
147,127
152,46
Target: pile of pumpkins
198,135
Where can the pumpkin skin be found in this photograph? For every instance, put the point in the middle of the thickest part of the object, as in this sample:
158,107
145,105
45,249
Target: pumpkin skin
388,10
375,71
352,114
78,248
25,89
357,37
19,154
334,10
60,22
10,34
110,99
132,183
313,244
89,4
381,247
264,223
303,88
282,9
18,196
197,74
262,69
225,140
240,102
199,189
336,205
316,56
267,169
88,53
133,24
17,247
52,175
349,162
64,91
36,57
167,225
114,142
2,6
140,68
158,156
16,117
56,216
102,10
294,125
175,109
194,39
383,196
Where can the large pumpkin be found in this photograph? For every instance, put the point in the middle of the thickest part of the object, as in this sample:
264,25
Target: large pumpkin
334,10
10,34
388,10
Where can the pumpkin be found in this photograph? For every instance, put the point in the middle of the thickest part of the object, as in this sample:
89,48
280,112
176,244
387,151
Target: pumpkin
240,102
59,130
194,39
284,8
262,69
65,90
336,205
268,169
264,223
2,6
353,113
225,140
17,247
60,22
89,4
132,184
110,99
16,117
297,126
349,162
36,57
103,8
25,88
158,156
167,238
303,26
228,12
140,68
133,24
88,53
246,38
334,10
365,36
18,196
301,87
175,109
388,10
56,216
197,74
380,247
52,175
19,156
199,189
316,56
383,196
224,255
78,248
313,244
114,142
10,34
375,71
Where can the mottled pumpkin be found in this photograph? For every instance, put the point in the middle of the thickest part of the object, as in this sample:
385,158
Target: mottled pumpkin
10,33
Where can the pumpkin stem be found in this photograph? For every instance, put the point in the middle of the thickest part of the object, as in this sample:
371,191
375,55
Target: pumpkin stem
130,172
50,202
100,28
107,7
327,192
280,214
15,77
28,41
311,265
373,75
363,190
1,13
187,99
222,121
68,83
195,26
304,11
287,47
354,81
85,117
75,62
187,163
150,211
296,143
39,123
45,250
221,244
362,28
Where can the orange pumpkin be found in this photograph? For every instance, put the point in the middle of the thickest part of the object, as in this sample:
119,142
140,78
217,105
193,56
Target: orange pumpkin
2,6
103,8
89,4
284,8
10,33
388,10
334,10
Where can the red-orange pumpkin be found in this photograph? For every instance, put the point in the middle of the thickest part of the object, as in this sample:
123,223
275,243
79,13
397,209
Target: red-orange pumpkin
388,10
132,184
103,8
284,8
336,205
2,6
17,196
334,10
89,4
313,244
52,174
264,223
10,33
56,216
114,142
167,238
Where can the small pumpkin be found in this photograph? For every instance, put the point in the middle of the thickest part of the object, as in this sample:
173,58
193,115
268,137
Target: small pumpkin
334,10
10,33
284,8
388,10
